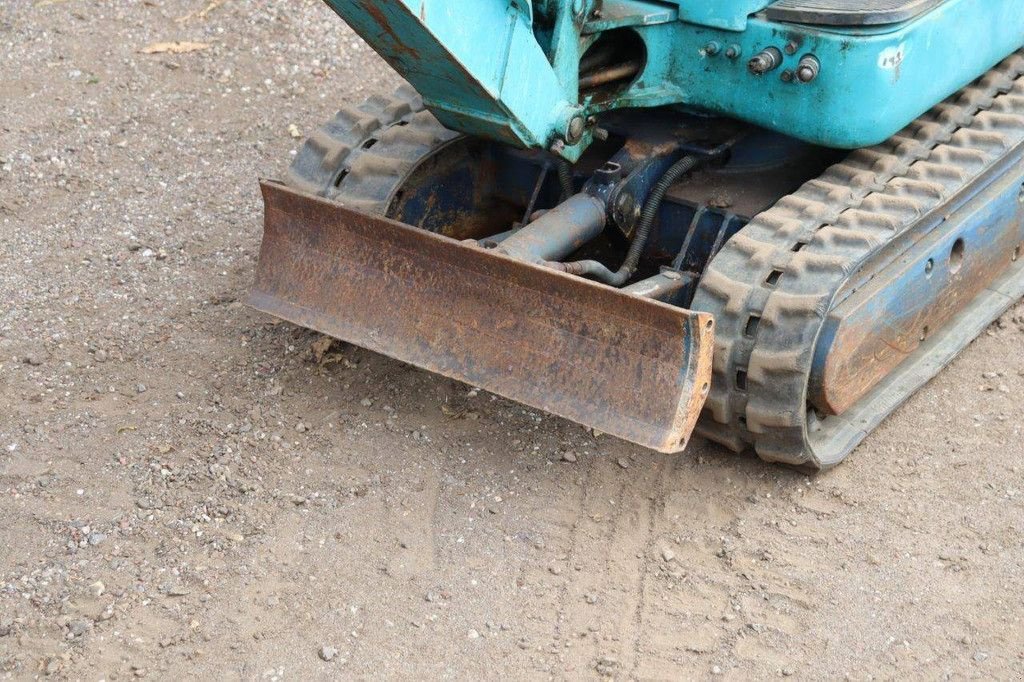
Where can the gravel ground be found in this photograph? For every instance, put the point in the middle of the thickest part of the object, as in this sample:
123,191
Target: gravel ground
185,491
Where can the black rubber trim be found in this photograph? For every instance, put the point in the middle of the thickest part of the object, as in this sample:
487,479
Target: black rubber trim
849,12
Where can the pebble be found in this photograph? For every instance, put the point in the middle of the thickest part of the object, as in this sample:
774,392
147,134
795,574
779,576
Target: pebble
327,653
33,359
98,588
96,538
568,457
715,670
590,598
78,627
667,554
140,388
366,402
473,634
301,428
623,462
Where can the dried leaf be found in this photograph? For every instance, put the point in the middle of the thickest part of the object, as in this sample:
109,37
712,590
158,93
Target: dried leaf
177,47
201,14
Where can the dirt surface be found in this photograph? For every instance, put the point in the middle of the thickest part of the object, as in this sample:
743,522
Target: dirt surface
186,491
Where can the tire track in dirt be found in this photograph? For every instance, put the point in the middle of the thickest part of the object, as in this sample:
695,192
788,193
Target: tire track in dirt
604,590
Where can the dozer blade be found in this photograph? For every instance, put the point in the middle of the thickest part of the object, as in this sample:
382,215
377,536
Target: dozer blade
629,366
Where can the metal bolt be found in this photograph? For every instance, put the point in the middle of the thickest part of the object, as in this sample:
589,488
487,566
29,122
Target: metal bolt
733,51
712,48
808,68
574,131
792,46
787,76
764,61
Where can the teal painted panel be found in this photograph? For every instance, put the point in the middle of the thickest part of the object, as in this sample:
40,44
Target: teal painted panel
481,67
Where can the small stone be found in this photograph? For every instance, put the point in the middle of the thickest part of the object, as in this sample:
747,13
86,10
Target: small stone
101,355
327,653
33,359
590,598
667,554
366,402
140,388
623,462
98,588
980,656
715,670
301,428
473,634
569,457
96,538
555,569
79,627
431,596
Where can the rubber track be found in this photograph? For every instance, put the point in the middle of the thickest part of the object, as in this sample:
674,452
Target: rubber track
772,285
361,157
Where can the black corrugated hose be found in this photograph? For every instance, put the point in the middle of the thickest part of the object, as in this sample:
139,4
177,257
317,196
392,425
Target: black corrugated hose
565,180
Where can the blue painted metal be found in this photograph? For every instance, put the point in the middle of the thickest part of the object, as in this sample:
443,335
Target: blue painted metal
888,318
727,14
508,69
871,84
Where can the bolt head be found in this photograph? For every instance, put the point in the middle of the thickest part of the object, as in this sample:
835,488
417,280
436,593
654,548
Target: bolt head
574,131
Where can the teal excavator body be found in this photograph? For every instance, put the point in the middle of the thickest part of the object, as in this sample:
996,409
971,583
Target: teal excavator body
769,221
536,73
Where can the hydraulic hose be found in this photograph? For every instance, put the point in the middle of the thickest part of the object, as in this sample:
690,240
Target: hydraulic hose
565,179
599,271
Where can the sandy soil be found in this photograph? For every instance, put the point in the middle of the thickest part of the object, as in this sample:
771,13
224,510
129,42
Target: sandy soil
186,492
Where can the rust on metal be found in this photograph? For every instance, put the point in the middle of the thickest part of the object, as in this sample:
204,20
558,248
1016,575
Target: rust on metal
622,364
872,338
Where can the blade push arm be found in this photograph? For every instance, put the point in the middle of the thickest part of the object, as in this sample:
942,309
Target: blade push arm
479,66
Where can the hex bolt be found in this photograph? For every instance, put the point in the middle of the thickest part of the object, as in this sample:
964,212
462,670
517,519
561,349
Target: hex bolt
764,61
712,48
808,68
733,51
